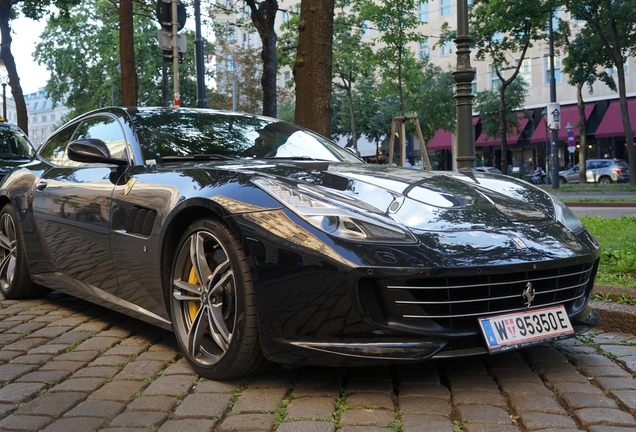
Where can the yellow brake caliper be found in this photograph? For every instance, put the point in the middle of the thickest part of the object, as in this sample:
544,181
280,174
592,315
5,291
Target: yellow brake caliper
194,305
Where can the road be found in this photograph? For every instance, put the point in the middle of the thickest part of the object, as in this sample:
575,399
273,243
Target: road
68,365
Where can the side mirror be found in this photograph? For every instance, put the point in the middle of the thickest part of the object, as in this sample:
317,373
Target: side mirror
92,150
354,151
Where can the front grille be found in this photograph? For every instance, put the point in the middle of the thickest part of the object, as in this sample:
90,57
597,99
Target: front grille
456,301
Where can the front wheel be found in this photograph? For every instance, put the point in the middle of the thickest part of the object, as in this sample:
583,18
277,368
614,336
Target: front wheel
15,281
212,303
562,180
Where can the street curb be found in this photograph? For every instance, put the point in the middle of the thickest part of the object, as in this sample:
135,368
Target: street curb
615,317
600,203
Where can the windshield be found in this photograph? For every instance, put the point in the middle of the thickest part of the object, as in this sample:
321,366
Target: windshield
14,144
185,133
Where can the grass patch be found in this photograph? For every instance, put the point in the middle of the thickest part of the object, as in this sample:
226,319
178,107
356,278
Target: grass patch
618,249
591,188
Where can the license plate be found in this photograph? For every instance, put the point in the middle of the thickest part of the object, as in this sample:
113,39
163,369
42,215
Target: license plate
521,329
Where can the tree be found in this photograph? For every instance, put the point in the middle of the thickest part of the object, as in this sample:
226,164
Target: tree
396,21
584,64
501,27
613,22
242,71
80,50
312,70
34,9
129,87
352,58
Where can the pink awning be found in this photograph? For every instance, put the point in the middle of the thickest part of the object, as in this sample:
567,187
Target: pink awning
443,140
483,140
569,114
612,123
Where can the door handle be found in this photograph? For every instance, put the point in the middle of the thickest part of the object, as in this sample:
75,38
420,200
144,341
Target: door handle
41,186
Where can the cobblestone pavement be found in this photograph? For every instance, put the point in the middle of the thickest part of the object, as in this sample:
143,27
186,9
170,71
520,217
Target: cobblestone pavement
67,365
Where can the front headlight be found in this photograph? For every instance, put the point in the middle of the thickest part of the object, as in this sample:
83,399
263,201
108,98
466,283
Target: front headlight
337,220
564,215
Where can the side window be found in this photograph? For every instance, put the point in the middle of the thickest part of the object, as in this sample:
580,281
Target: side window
55,149
106,129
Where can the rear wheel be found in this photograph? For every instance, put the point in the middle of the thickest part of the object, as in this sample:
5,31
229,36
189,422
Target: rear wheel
212,303
562,180
605,180
15,281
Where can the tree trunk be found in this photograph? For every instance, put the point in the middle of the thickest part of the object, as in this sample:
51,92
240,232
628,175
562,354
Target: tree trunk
503,128
346,84
312,70
129,86
582,134
9,62
629,136
264,18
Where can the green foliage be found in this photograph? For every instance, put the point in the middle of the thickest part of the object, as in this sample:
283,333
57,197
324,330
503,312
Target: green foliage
618,259
80,49
587,61
487,103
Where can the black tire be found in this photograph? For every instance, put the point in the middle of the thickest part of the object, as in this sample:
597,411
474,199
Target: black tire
562,180
605,180
15,281
215,323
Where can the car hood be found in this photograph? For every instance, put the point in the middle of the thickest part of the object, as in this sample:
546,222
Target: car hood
420,200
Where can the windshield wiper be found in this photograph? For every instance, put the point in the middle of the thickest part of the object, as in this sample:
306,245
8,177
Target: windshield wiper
301,158
196,157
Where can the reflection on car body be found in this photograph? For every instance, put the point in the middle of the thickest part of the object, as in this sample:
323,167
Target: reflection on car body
257,241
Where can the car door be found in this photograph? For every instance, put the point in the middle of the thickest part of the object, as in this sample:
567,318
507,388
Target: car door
72,206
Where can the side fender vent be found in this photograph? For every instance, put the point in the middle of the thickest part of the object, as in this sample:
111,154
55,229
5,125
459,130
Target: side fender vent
140,221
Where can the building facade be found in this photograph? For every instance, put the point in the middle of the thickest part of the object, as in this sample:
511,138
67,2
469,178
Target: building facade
44,118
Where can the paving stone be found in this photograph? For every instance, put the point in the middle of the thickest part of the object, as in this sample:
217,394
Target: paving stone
71,338
107,372
11,372
425,423
78,424
570,376
6,408
108,360
93,326
574,401
528,403
518,375
543,368
520,387
370,386
80,356
181,367
17,392
542,354
128,351
54,376
49,349
491,428
171,385
464,365
604,416
629,362
367,417
604,371
627,399
188,425
120,391
480,383
117,331
26,328
274,378
438,391
100,409
508,360
51,404
315,387
167,344
32,359
307,426
483,414
138,420
70,322
533,421
140,370
24,422
98,343
362,429
85,385
612,337
619,350
422,373
308,408
592,360
216,387
7,338
203,405
423,405
9,355
467,397
259,400
610,384
564,388
61,365
164,356
247,422
153,403
370,400
610,429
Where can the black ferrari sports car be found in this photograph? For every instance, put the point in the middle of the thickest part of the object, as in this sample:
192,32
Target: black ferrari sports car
258,241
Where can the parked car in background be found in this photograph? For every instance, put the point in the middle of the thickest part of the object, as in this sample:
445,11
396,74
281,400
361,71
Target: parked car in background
488,169
15,148
603,171
256,240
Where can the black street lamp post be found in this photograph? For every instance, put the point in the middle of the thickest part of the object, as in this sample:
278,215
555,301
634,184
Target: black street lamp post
3,80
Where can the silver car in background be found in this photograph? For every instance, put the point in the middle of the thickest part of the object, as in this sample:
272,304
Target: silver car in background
603,171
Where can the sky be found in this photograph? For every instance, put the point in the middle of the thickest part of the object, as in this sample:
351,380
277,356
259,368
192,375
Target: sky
26,33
